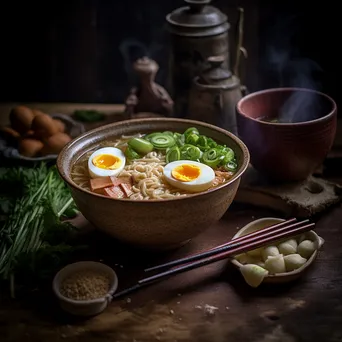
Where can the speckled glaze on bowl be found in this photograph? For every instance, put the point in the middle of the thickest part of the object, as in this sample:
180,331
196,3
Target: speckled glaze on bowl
286,151
155,224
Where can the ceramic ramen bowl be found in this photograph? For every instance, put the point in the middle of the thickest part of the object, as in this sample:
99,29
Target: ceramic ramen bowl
281,277
288,131
152,224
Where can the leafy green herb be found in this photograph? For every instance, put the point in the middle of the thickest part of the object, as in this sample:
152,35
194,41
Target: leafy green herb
32,224
88,115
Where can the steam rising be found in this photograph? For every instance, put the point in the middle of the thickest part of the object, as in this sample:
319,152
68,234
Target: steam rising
289,69
301,106
132,49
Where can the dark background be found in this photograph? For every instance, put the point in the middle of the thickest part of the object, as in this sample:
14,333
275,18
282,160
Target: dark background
82,50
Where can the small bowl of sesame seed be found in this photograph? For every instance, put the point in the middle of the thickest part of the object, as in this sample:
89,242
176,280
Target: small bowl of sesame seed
85,288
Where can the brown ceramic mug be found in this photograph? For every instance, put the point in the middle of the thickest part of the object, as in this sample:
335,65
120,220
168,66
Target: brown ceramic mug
288,131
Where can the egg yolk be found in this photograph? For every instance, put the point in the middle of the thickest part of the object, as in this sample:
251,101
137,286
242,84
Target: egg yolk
186,173
107,161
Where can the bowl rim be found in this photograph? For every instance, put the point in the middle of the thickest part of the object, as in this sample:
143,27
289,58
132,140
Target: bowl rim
237,175
299,270
81,265
286,89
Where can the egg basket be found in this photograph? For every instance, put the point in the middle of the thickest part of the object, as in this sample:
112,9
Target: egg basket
72,128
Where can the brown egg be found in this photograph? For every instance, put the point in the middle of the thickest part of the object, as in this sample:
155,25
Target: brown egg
55,143
37,112
44,126
31,134
30,147
21,119
60,125
9,133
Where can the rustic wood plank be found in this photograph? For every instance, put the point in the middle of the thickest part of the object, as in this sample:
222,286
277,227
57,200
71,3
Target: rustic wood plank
174,310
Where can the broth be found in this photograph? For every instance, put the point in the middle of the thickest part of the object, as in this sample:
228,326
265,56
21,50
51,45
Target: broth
144,176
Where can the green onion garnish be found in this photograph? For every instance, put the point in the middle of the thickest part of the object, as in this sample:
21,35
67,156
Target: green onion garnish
231,166
191,130
190,152
141,146
173,154
211,157
131,154
162,141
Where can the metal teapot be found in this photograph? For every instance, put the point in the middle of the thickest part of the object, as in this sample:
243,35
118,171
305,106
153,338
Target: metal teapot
214,95
198,31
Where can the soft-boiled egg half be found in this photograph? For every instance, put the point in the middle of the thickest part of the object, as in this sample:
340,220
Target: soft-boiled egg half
189,175
107,161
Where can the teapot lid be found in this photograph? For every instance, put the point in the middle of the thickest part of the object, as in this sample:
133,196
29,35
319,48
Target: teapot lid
215,74
145,65
197,15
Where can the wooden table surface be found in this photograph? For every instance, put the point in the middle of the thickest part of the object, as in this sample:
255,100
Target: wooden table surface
309,309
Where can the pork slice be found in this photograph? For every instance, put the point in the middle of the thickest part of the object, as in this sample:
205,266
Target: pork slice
120,180
100,183
218,180
224,174
127,189
100,191
114,192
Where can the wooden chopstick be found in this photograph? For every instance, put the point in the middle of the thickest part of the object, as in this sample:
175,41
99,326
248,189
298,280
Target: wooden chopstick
220,254
225,252
232,243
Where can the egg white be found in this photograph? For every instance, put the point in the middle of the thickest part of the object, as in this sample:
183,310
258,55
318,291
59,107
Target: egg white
95,171
201,183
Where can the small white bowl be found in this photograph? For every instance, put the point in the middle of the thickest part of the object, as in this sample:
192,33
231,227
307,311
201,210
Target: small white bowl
84,307
279,277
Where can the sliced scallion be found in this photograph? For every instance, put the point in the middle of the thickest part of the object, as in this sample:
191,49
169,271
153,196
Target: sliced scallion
231,166
151,135
173,154
228,156
191,139
212,157
190,152
191,130
162,141
211,142
202,142
140,145
131,154
179,138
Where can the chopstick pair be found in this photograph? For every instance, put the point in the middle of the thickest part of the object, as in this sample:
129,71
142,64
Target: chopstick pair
239,245
267,231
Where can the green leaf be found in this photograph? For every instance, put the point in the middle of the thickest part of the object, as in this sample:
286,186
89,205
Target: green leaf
88,115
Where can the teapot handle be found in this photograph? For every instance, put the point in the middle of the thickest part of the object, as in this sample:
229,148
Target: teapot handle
244,90
240,49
